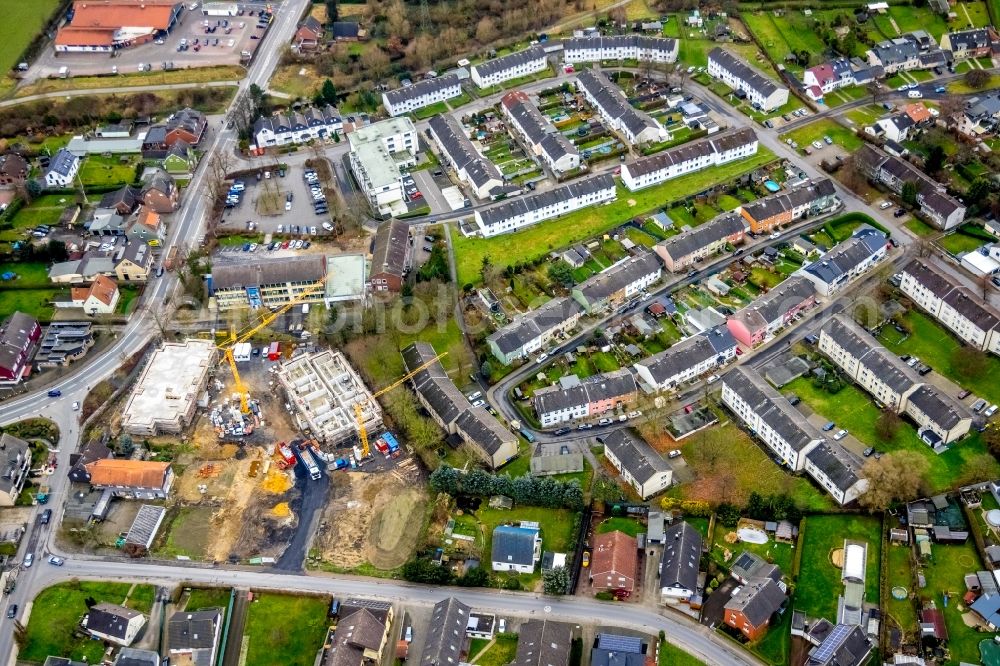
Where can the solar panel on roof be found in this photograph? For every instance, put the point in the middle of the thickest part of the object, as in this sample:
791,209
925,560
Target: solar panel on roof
619,643
744,561
827,647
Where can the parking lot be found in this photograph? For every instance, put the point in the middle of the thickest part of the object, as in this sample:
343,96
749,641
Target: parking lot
282,206
218,47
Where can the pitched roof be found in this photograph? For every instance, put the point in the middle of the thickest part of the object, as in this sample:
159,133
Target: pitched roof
604,386
596,289
690,151
110,619
445,633
62,162
636,456
514,545
125,196
421,88
682,545
389,252
970,307
768,207
846,645
134,657
534,324
713,231
941,409
613,102
460,151
503,63
757,600
930,277
842,467
194,630
356,632
739,68
543,643
773,408
505,210
679,358
15,332
102,288
614,553
848,255
773,305
127,473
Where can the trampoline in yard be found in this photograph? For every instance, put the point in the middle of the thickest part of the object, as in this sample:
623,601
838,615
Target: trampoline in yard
899,593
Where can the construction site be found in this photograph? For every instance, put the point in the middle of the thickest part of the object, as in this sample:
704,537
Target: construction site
280,457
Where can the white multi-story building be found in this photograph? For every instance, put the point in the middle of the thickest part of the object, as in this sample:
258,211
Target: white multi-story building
513,66
540,135
836,470
514,214
424,93
312,124
379,153
763,92
687,360
62,169
471,168
618,283
611,104
619,47
534,330
688,158
975,322
638,463
846,262
590,397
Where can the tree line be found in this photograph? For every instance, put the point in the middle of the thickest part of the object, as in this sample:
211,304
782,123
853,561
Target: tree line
528,490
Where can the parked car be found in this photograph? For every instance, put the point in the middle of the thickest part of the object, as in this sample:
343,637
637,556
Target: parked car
990,411
869,451
885,204
605,422
829,426
56,561
676,453
841,434
979,405
76,406
963,394
12,611
585,426
45,517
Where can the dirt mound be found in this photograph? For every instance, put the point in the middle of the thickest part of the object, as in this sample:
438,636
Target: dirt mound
276,482
281,510
393,535
837,557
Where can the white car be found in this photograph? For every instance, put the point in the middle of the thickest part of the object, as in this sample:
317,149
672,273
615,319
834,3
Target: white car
712,379
840,435
774,235
76,406
990,411
288,205
312,230
885,204
29,559
328,226
541,358
818,145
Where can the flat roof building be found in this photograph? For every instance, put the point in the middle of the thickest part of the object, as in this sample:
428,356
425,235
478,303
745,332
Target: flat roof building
166,395
379,153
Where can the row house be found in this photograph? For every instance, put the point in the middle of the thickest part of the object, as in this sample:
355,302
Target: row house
688,158
846,262
894,55
769,416
940,208
635,126
838,73
390,256
687,360
679,252
540,135
187,125
761,319
638,463
130,479
975,322
980,116
471,168
762,91
618,283
813,198
421,94
19,338
940,420
514,214
597,48
837,471
975,43
523,63
314,123
534,330
591,397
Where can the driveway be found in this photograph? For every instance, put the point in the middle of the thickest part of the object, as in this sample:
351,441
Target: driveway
431,191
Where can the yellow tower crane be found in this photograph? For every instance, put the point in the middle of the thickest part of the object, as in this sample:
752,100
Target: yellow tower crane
359,410
234,340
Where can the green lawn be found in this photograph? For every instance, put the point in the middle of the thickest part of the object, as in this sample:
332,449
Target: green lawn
36,302
934,345
776,645
899,574
267,638
501,653
819,582
45,209
671,655
435,109
629,526
99,171
29,274
866,115
946,574
584,478
919,227
208,597
540,239
853,409
910,18
815,131
959,243
23,21
781,554
58,609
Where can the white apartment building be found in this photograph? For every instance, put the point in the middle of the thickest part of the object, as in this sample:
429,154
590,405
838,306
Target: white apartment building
762,91
846,262
687,360
379,153
481,175
534,330
540,135
513,66
423,93
638,463
688,158
514,214
314,123
613,107
837,470
620,47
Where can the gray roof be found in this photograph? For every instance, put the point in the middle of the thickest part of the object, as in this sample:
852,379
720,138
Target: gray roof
895,51
389,252
543,643
739,68
613,102
62,162
636,456
530,326
506,62
314,116
599,287
536,127
682,545
421,88
680,357
460,151
616,650
840,465
773,305
445,633
309,268
773,408
640,42
194,630
846,645
514,545
484,430
941,409
592,389
885,365
969,306
768,207
930,194
844,258
521,205
757,600
748,566
690,151
713,231
13,452
14,334
136,657
126,196
930,277
110,619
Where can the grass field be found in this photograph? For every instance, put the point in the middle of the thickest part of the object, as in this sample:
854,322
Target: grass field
46,209
671,655
815,131
209,597
500,653
819,582
786,34
853,409
542,238
57,610
780,554
945,575
899,574
191,76
35,302
629,526
29,274
958,242
23,20
910,18
919,227
100,171
267,638
975,12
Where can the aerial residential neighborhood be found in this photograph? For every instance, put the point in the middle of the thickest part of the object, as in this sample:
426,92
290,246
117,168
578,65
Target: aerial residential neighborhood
534,333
